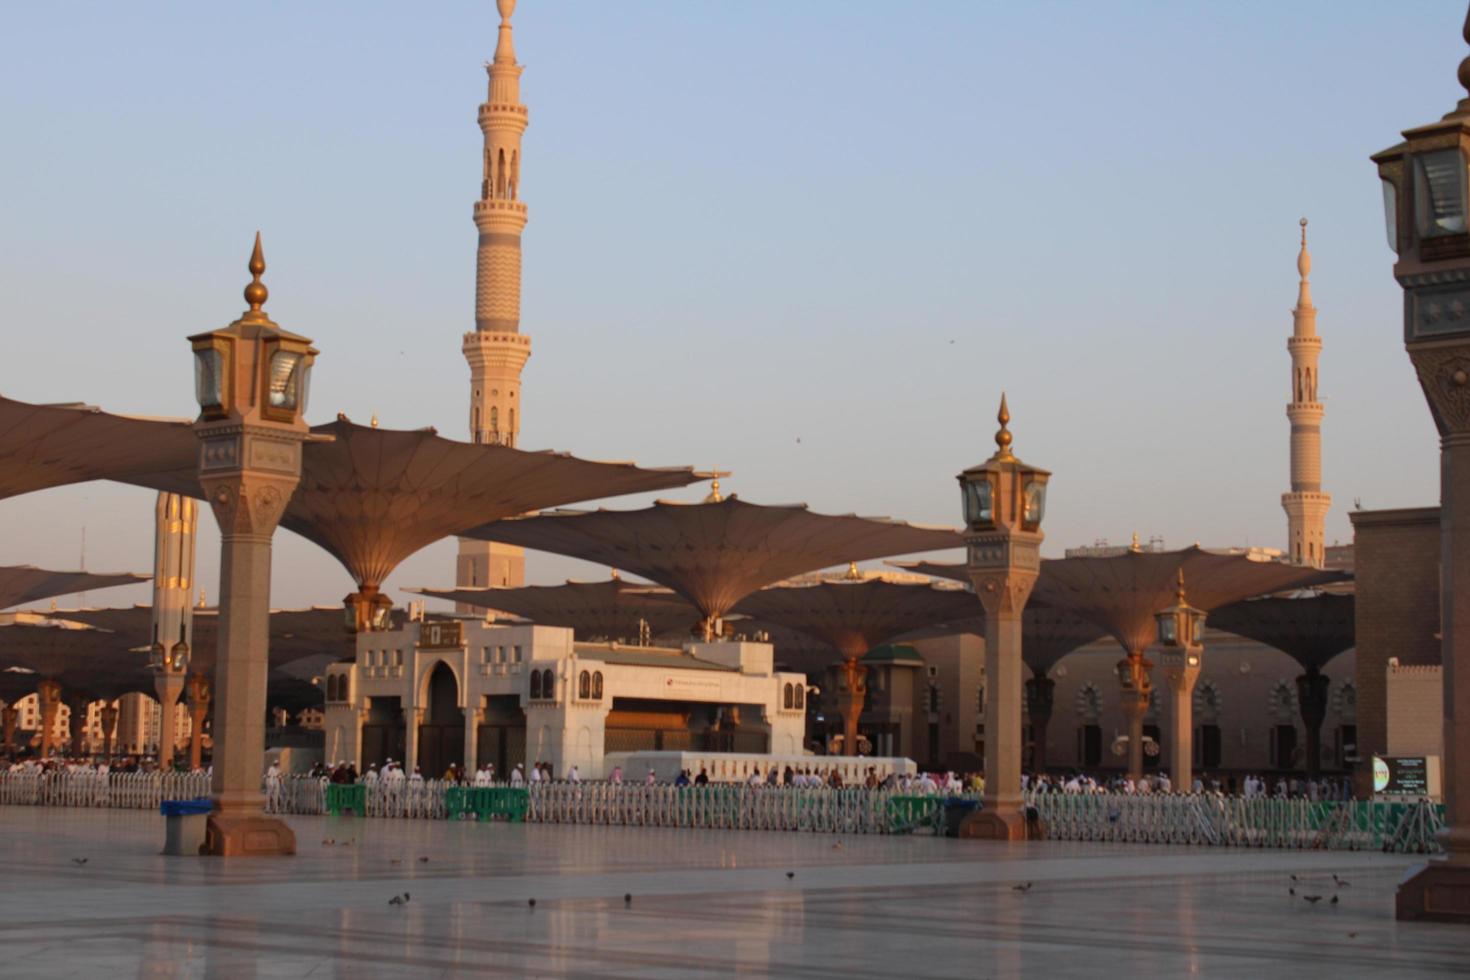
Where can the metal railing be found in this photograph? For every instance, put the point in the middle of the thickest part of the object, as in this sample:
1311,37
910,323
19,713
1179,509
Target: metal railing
1207,820
1229,821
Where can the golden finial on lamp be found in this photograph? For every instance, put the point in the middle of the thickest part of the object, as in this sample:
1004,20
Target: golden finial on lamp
1003,435
256,293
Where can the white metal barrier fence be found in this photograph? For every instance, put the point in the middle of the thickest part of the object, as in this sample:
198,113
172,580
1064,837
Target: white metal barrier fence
1238,822
121,790
1151,819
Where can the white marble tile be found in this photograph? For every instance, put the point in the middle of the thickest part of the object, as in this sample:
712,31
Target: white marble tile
705,904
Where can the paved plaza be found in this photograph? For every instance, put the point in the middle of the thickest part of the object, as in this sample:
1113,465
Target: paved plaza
704,904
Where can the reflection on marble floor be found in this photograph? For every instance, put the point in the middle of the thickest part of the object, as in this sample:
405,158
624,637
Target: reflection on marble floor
704,904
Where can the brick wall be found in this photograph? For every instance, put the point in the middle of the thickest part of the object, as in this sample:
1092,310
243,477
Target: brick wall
1415,710
1396,558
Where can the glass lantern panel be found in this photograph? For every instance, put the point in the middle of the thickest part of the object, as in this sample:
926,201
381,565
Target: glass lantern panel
1391,214
209,378
1035,508
1439,193
979,503
285,380
1168,631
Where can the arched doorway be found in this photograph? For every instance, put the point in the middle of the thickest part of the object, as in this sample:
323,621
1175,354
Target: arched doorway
441,736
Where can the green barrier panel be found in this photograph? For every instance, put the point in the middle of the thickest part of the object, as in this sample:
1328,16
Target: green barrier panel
342,797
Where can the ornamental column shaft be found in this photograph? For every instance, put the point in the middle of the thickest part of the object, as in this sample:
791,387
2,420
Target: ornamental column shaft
9,718
1040,693
109,727
48,694
1181,679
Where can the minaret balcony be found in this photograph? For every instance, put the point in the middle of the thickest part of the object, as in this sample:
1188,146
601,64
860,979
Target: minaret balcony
503,108
499,204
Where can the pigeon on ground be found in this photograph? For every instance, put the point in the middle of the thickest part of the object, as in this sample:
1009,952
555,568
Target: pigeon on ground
790,875
1352,935
1334,900
628,899
1293,878
532,903
329,841
1339,882
1290,890
398,899
1023,889
1314,899
423,860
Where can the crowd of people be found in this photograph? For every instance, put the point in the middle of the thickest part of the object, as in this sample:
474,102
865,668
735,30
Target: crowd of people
1250,787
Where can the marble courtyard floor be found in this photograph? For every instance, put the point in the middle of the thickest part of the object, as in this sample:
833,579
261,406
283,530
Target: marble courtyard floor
705,904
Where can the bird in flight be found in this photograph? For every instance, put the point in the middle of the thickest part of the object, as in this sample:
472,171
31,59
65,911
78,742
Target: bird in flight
1023,889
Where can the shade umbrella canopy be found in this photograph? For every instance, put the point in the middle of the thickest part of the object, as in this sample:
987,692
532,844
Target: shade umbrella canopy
20,584
1121,593
295,634
611,609
1311,629
371,497
855,616
43,446
1047,634
718,552
81,659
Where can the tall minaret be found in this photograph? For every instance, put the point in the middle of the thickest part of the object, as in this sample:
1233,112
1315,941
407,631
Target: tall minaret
1306,505
496,349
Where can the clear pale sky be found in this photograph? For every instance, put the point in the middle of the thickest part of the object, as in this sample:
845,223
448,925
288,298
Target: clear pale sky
810,242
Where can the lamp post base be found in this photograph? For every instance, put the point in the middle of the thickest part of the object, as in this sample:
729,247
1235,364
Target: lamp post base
1437,892
247,836
1007,824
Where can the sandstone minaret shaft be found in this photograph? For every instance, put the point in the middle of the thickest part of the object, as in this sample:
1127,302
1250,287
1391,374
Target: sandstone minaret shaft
496,349
1306,505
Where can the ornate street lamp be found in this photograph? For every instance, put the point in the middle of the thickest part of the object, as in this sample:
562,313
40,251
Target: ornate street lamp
1426,206
251,379
1181,630
1004,503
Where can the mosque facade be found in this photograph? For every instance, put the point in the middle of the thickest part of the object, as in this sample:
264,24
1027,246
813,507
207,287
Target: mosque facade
469,692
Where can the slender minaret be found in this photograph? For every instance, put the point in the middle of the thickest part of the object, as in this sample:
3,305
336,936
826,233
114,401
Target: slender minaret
176,523
1306,505
496,349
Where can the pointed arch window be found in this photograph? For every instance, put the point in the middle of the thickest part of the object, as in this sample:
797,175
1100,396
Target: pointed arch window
597,685
535,685
584,685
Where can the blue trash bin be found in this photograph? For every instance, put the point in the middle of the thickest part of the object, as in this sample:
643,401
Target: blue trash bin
184,825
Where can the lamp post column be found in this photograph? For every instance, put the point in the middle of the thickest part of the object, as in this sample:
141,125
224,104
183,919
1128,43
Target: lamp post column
1427,207
251,381
1004,501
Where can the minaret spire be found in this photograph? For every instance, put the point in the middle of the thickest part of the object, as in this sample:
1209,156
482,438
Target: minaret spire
1305,505
496,350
